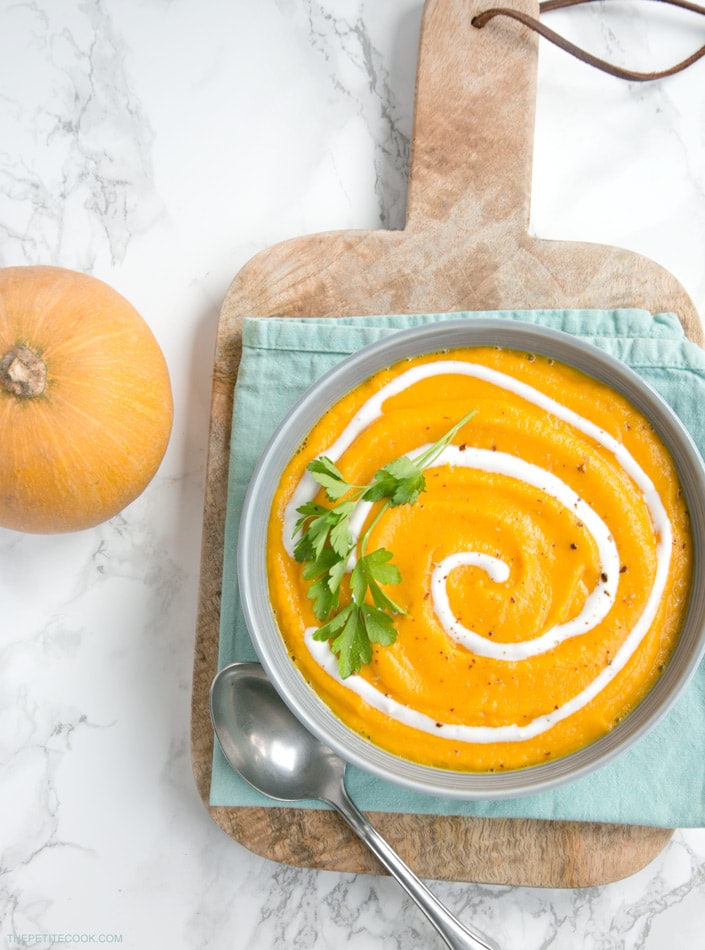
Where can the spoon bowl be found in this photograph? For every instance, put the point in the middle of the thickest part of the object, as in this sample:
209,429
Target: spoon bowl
273,751
263,740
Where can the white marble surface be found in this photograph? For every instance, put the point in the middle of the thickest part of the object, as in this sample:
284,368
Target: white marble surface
159,144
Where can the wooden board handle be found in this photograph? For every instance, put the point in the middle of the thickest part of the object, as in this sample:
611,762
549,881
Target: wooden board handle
472,152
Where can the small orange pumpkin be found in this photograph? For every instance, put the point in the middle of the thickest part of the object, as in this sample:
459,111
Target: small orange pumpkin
85,400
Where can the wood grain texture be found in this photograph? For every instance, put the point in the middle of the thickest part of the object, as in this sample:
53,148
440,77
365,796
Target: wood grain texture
465,246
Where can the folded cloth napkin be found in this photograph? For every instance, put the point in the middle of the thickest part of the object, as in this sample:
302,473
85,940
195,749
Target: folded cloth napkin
660,781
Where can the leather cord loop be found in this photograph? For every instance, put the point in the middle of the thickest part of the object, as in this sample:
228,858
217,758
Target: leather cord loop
481,19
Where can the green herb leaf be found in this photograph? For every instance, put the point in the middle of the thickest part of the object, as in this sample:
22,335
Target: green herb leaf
329,477
352,646
378,625
326,573
335,624
325,600
401,481
341,539
336,574
377,567
358,583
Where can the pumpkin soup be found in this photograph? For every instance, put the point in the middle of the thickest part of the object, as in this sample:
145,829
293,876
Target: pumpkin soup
523,581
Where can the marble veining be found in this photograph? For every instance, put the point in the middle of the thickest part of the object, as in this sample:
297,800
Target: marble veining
362,74
90,181
159,146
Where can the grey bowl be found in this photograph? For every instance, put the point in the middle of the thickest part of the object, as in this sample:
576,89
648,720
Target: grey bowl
252,574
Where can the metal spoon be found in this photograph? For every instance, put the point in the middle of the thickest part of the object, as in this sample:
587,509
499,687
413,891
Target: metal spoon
263,741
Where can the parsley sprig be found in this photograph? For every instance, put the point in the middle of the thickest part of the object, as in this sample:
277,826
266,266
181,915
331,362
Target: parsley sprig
326,545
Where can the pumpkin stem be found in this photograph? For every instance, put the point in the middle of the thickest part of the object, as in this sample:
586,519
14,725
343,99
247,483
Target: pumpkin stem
22,372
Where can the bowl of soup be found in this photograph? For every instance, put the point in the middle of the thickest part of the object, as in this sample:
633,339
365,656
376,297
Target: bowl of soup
471,556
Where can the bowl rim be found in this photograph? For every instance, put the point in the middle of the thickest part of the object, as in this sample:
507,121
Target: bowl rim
269,644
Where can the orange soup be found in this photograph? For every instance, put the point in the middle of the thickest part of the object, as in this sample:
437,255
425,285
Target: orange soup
544,570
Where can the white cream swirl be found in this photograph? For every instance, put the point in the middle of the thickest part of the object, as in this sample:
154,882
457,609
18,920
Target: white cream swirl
598,603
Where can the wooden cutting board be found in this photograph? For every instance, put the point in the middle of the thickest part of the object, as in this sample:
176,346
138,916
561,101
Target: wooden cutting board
465,246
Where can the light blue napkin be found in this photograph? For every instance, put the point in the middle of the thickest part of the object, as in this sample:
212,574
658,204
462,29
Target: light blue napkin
661,780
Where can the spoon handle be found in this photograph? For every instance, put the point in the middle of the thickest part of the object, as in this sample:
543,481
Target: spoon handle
453,932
